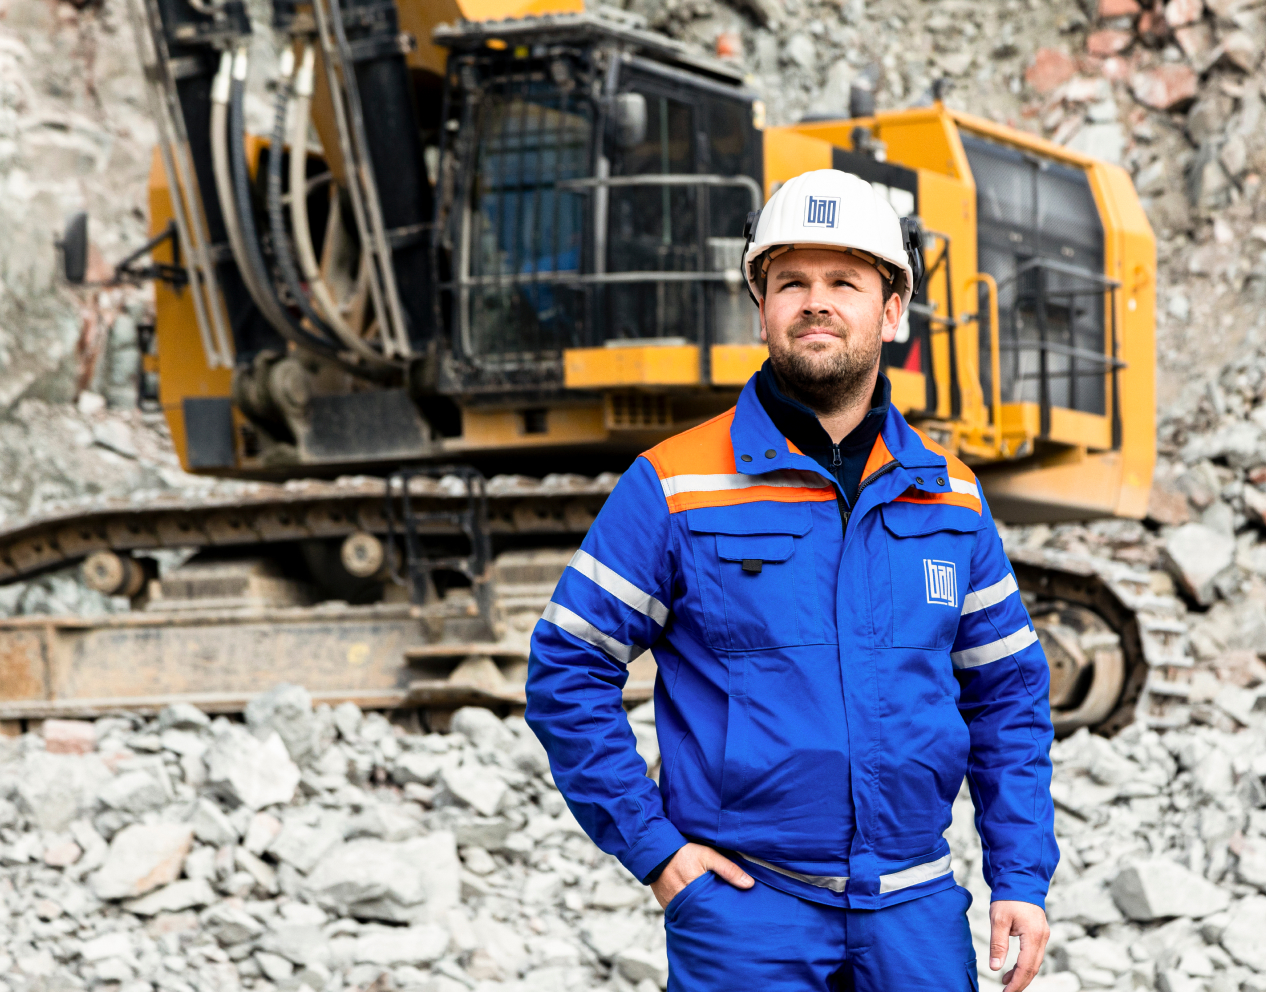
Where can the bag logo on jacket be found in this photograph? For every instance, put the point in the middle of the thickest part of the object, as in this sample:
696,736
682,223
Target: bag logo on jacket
941,582
821,211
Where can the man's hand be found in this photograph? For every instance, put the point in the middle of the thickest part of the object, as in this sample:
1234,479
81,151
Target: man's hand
1017,919
688,864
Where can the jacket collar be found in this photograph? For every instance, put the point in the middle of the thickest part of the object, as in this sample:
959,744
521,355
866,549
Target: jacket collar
801,426
754,435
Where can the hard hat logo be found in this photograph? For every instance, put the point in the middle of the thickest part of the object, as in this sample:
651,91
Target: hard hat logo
821,211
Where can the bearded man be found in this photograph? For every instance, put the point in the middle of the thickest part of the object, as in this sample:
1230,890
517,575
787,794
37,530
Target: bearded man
840,640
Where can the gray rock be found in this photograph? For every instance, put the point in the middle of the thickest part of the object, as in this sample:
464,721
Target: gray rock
303,845
142,857
1086,902
1242,937
476,785
415,945
483,728
286,709
211,826
397,882
639,964
183,716
489,834
188,893
136,792
253,772
1160,888
1196,555
55,789
304,944
231,925
347,720
415,766
274,966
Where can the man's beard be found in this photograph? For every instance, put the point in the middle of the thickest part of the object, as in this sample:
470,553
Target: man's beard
826,385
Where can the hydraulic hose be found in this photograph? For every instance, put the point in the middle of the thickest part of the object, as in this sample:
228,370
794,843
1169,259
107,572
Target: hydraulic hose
300,98
223,177
253,258
281,243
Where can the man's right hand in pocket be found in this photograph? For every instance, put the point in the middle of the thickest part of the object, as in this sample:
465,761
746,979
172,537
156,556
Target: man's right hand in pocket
688,864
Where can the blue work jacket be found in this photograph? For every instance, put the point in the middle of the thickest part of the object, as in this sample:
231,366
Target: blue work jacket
824,681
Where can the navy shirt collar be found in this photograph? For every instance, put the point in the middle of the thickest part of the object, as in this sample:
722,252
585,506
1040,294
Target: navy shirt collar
800,425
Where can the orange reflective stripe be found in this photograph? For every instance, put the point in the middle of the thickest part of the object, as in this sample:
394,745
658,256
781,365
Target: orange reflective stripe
879,457
913,495
753,494
792,448
957,469
702,450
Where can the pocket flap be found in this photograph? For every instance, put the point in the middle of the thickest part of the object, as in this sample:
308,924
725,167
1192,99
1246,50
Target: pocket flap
754,547
752,518
916,519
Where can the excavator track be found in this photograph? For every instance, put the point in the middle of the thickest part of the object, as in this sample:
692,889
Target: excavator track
1118,649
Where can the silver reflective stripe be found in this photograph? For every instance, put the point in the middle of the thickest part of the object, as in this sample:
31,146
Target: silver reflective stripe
562,617
983,655
836,883
964,487
913,876
887,883
619,587
788,479
990,595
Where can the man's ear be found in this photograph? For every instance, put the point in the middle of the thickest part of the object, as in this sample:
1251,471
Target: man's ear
892,318
760,308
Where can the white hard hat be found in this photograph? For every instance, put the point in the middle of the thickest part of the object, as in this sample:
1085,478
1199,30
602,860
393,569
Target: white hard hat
828,208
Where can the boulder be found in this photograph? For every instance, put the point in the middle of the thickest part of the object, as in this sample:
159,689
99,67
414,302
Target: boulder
253,772
287,710
1242,937
1160,888
1196,555
390,948
416,879
140,858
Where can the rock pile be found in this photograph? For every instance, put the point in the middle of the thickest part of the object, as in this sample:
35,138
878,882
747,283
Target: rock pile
323,848
332,849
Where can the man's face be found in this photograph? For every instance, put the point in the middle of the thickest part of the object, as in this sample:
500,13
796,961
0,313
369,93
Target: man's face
824,317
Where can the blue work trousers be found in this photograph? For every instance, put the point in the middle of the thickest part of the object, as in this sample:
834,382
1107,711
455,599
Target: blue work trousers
723,939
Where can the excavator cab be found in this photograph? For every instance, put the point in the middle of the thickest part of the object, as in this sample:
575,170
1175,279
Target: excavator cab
596,180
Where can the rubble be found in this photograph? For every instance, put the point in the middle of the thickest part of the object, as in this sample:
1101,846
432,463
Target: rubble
361,876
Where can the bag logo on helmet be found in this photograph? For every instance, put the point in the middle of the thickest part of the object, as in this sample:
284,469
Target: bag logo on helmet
821,211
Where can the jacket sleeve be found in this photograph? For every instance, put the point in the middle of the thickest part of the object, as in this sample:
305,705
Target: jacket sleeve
607,609
1004,699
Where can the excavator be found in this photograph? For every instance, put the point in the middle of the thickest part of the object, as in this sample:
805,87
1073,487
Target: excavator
487,254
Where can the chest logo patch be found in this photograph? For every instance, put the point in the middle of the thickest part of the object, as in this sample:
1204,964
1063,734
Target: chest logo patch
941,582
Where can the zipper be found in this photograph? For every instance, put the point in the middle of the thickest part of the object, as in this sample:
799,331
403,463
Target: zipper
840,499
845,512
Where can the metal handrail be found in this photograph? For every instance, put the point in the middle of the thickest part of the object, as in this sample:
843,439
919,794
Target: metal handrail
1063,268
995,362
669,179
1106,361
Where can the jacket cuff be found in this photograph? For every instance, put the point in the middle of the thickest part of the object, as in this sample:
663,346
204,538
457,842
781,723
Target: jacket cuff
1020,888
661,842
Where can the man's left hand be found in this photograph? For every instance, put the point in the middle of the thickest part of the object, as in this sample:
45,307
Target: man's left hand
1008,919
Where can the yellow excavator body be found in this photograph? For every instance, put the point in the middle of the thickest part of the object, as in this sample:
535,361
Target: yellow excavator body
502,261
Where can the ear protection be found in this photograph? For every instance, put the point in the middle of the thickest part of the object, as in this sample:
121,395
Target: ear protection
749,232
912,238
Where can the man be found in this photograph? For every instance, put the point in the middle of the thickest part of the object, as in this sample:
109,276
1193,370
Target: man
839,640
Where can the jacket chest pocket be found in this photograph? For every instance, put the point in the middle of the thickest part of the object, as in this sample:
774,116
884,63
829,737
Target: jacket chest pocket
929,562
755,568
